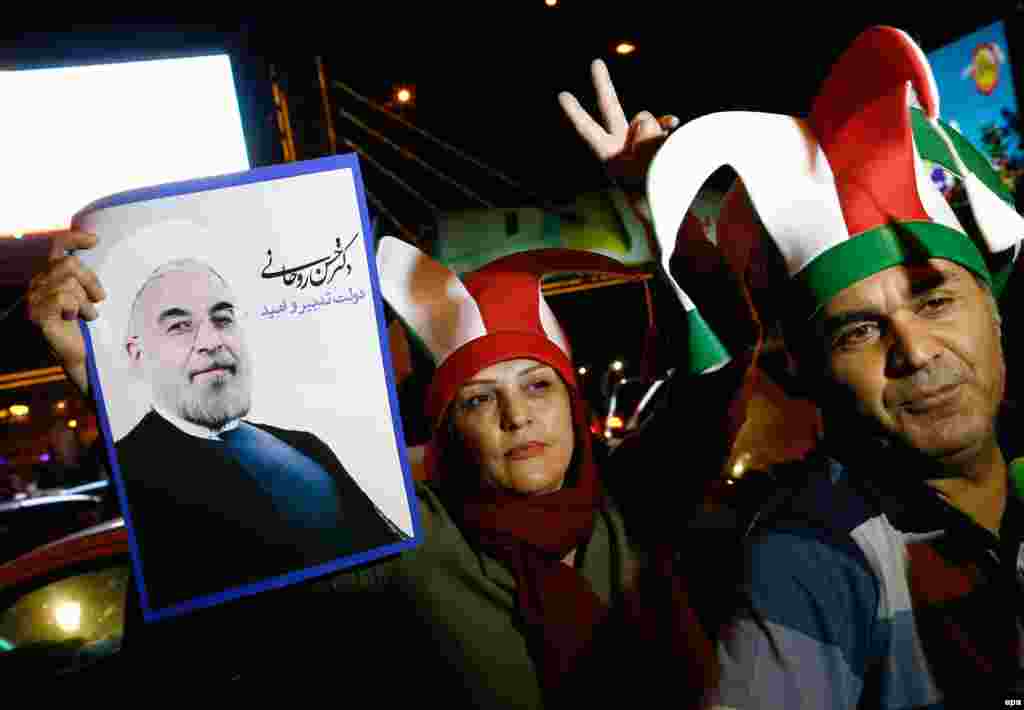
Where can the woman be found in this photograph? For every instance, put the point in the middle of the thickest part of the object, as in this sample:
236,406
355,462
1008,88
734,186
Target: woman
529,588
521,541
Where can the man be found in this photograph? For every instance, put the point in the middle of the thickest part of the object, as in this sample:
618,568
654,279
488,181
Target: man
886,573
216,501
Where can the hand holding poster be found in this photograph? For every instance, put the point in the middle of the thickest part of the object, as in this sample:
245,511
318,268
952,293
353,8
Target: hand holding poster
243,382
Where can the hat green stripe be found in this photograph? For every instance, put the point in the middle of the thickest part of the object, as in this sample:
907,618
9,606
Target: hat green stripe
1017,476
877,249
706,351
932,148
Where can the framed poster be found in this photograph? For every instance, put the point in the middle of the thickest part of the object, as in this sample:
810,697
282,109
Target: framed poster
243,380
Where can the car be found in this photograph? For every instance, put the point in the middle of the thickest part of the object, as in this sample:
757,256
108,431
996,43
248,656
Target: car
69,612
62,605
30,521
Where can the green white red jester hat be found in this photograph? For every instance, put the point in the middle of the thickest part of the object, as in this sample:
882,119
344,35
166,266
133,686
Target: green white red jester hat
845,193
497,313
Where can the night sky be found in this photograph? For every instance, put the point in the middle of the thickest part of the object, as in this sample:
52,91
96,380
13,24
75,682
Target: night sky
486,77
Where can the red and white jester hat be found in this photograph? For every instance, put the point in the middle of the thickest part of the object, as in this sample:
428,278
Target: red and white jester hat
844,194
498,313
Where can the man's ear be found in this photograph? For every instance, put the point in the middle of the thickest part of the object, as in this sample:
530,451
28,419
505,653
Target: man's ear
133,348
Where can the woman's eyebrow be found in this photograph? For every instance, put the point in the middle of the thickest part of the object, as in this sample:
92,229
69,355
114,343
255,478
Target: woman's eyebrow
533,368
524,373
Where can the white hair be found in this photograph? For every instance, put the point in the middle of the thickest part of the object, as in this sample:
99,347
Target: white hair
184,264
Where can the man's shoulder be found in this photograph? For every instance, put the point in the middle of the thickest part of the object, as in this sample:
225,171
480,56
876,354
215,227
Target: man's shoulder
816,493
151,425
825,528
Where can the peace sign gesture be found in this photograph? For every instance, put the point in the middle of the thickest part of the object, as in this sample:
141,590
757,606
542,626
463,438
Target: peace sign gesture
626,148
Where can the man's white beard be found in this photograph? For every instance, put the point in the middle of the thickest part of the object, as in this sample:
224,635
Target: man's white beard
215,403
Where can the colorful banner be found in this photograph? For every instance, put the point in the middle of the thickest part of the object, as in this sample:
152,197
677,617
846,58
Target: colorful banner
975,82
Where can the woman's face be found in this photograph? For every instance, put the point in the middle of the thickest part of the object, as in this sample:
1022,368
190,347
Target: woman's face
515,419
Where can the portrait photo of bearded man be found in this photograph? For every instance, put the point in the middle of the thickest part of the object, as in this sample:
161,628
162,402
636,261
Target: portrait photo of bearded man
217,501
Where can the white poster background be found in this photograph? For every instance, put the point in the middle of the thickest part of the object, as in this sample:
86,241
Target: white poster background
321,371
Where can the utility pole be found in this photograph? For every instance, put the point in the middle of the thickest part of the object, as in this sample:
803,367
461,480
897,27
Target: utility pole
284,124
332,137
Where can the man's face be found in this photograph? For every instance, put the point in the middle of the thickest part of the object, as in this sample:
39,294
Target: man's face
189,347
917,351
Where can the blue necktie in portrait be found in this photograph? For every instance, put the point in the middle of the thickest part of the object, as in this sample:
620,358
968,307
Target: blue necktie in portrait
302,490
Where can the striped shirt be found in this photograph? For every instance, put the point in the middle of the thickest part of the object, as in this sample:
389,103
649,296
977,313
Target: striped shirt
875,599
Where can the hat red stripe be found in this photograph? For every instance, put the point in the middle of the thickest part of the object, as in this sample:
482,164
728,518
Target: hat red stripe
873,165
879,62
507,300
862,122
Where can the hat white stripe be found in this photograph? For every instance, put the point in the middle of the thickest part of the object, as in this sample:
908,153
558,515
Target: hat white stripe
781,165
429,297
550,324
935,205
1000,225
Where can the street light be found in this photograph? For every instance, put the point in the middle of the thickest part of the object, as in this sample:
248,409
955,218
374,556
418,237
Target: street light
404,95
625,48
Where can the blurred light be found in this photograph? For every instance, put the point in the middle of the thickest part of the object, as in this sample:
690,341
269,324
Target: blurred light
617,365
68,616
19,410
4,414
740,466
607,435
615,422
72,423
550,3
61,404
44,457
403,95
582,370
625,48
730,482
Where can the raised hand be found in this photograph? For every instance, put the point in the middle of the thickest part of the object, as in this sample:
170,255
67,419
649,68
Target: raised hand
625,147
59,296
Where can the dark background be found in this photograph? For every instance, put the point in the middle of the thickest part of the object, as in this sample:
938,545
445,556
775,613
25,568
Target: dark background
486,76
